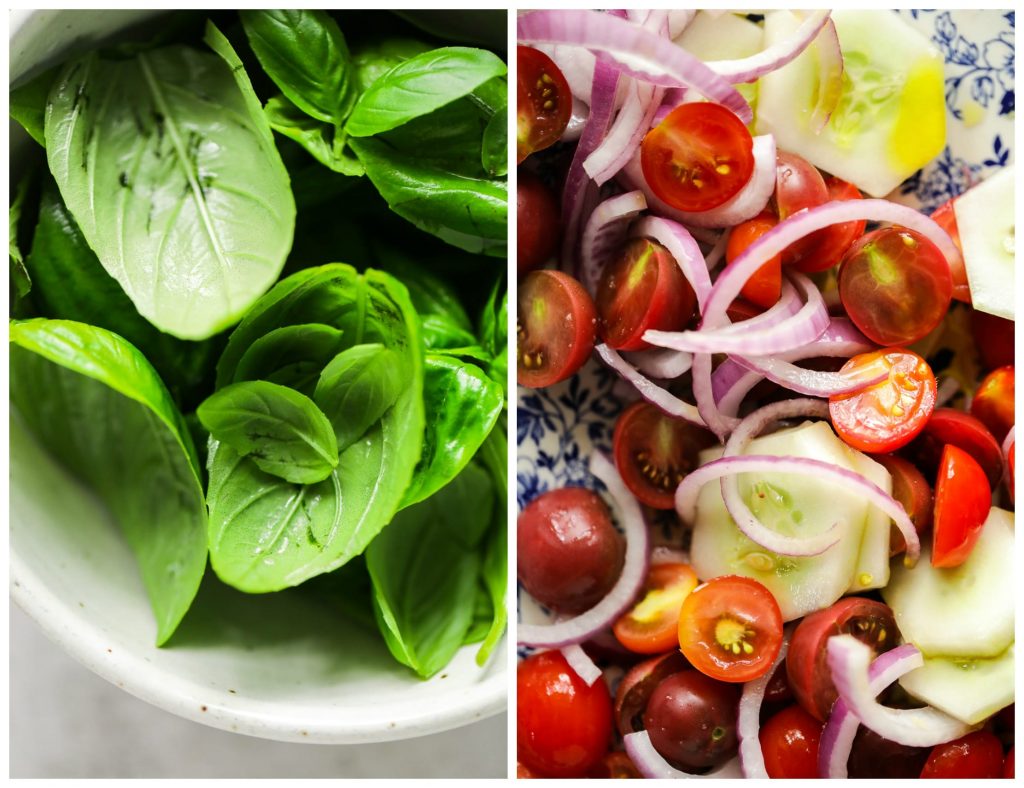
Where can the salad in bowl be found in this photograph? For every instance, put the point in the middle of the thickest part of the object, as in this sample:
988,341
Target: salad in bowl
766,394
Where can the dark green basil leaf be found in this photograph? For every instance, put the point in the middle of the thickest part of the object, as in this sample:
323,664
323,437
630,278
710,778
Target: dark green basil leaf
373,59
420,85
28,104
493,333
494,148
450,138
96,404
324,141
20,276
431,295
292,356
494,572
357,387
281,430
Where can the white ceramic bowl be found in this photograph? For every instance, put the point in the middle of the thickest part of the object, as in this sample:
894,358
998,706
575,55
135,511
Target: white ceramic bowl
281,666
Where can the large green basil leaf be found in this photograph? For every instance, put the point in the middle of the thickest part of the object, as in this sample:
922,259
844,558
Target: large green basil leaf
424,568
267,534
96,404
493,333
463,404
494,571
420,85
283,431
494,146
168,164
324,141
305,54
292,356
28,104
372,59
20,277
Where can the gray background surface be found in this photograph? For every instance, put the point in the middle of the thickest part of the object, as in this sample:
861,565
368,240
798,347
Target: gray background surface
68,722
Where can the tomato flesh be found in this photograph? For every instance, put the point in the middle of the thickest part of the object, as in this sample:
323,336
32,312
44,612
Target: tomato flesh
730,628
945,217
537,222
544,102
831,243
650,626
789,741
912,490
555,326
883,417
765,286
977,755
949,425
699,157
993,401
962,503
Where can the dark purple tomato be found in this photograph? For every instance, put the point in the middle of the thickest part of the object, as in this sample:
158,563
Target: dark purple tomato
635,689
537,222
875,757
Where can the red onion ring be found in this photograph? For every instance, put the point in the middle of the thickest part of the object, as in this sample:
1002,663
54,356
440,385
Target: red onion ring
830,75
849,661
653,766
577,121
717,252
812,382
638,52
680,244
774,57
659,363
678,21
605,233
623,138
1007,445
634,569
704,394
581,663
654,394
748,721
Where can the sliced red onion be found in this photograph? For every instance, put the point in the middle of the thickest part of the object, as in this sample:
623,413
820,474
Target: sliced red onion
605,233
789,304
689,489
849,660
841,729
1007,443
653,766
812,382
651,392
680,244
678,21
659,363
703,392
774,57
581,663
748,721
623,139
717,252
577,121
626,588
830,75
639,53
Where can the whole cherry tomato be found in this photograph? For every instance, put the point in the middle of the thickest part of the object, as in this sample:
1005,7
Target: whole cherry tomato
993,401
789,741
977,755
537,222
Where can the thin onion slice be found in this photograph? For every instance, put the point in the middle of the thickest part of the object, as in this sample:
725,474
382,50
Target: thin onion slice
849,660
581,663
830,75
659,363
653,766
577,121
651,392
689,488
1007,443
605,233
634,568
812,382
680,244
748,721
841,728
623,138
774,57
704,393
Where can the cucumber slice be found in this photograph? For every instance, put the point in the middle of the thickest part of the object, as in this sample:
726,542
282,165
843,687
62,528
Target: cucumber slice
985,221
961,612
872,570
969,689
891,117
724,36
797,505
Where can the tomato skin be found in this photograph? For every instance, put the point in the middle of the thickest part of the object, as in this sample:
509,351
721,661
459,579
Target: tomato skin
556,324
634,691
699,157
615,766
912,490
869,621
537,222
945,217
977,755
563,726
993,337
1008,766
873,757
798,185
993,401
730,628
544,104
831,243
949,425
765,286
883,417
651,624
962,503
789,741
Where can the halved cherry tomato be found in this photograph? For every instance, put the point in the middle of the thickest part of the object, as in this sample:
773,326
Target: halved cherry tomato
526,773
730,628
977,755
962,503
555,324
1008,766
654,452
615,766
895,285
765,286
993,337
544,103
890,414
563,726
949,425
831,243
641,289
945,217
651,626
912,490
537,222
993,402
869,621
789,741
698,157
798,185
635,689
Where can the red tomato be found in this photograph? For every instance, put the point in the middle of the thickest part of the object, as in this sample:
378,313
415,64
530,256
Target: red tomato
895,285
778,689
798,185
730,628
615,766
654,452
634,691
949,425
993,337
537,222
544,103
976,755
890,414
993,402
526,773
831,243
806,666
912,490
555,324
962,503
642,289
765,286
1008,766
563,726
698,157
1009,461
789,741
651,626
945,217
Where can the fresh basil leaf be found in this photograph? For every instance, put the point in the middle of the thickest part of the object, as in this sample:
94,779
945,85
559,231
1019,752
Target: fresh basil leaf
95,403
324,141
442,335
28,104
470,213
494,571
292,356
357,387
449,138
420,85
482,617
186,202
281,430
431,295
494,148
267,534
464,405
20,276
424,568
493,333
372,59
305,54
492,96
